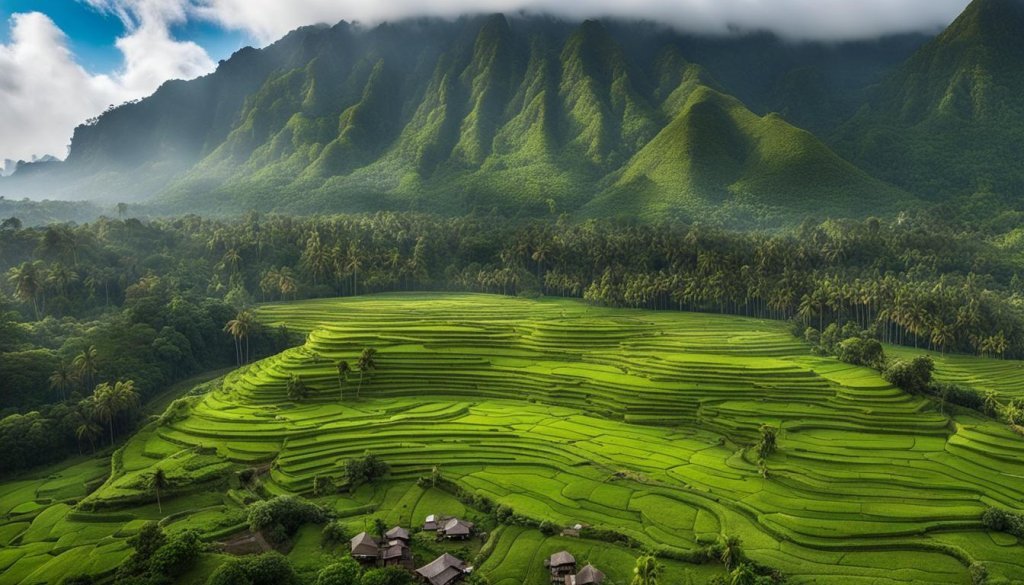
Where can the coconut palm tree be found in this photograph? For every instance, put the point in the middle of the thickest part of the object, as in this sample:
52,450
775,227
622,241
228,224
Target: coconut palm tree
646,571
367,362
28,284
732,553
343,371
296,388
86,365
158,481
240,328
743,574
63,379
88,430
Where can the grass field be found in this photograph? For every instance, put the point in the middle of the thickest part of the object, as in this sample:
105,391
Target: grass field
633,421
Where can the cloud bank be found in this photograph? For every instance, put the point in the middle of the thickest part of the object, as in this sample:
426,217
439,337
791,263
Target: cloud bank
45,93
267,20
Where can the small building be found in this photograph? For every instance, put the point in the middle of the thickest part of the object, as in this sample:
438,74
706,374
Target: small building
364,547
444,570
397,533
430,523
561,565
397,554
588,575
455,528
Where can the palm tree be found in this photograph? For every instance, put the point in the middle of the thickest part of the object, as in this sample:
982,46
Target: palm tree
646,571
28,283
158,481
343,370
63,379
353,263
106,406
86,364
240,328
296,388
88,430
367,361
743,575
731,552
991,403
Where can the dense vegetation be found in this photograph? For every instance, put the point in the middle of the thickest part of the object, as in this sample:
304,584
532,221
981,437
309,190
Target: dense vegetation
154,302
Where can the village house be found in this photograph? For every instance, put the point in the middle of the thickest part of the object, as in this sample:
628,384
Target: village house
455,528
588,575
444,570
430,524
561,565
365,547
396,551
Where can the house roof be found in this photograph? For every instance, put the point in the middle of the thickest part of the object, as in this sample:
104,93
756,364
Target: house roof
457,527
397,532
395,550
364,545
561,559
589,576
442,570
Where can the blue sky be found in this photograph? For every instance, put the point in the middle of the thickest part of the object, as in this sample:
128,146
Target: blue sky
92,32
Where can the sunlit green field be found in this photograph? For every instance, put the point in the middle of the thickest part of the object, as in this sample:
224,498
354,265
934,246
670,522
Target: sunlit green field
633,421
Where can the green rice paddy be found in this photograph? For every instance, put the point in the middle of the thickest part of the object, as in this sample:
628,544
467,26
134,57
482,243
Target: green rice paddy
633,421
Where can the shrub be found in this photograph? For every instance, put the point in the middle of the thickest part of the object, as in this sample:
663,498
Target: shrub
386,576
1004,521
78,580
345,572
862,352
177,555
914,376
280,517
334,532
365,469
979,574
266,569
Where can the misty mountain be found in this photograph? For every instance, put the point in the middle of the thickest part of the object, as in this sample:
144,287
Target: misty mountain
524,115
950,121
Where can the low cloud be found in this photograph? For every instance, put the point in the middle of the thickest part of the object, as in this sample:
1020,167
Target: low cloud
45,93
267,20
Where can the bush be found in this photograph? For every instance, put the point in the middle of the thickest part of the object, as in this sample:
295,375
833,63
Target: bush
345,572
334,532
1004,521
177,556
861,352
914,376
280,517
266,569
386,576
365,469
979,574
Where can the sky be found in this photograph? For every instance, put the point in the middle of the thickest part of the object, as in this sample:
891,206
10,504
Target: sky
65,61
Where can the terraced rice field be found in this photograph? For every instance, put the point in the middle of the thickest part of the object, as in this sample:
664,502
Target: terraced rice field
1004,377
633,421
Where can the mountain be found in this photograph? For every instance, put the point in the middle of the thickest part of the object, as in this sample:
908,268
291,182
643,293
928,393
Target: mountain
950,121
524,115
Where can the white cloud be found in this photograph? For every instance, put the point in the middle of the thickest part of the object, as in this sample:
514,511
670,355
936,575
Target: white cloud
45,93
796,19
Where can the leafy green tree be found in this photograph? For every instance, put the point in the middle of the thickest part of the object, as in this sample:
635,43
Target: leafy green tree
731,552
769,441
344,572
743,574
343,371
158,482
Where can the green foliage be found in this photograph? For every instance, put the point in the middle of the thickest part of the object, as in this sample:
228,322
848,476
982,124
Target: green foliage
365,469
386,576
281,517
1004,521
914,376
861,352
177,554
265,569
344,572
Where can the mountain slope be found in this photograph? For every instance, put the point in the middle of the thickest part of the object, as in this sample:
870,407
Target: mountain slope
527,116
950,121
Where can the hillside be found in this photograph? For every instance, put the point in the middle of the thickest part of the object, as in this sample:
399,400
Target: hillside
637,423
949,122
523,115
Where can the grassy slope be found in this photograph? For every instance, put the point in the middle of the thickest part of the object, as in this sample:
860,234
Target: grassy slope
547,406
